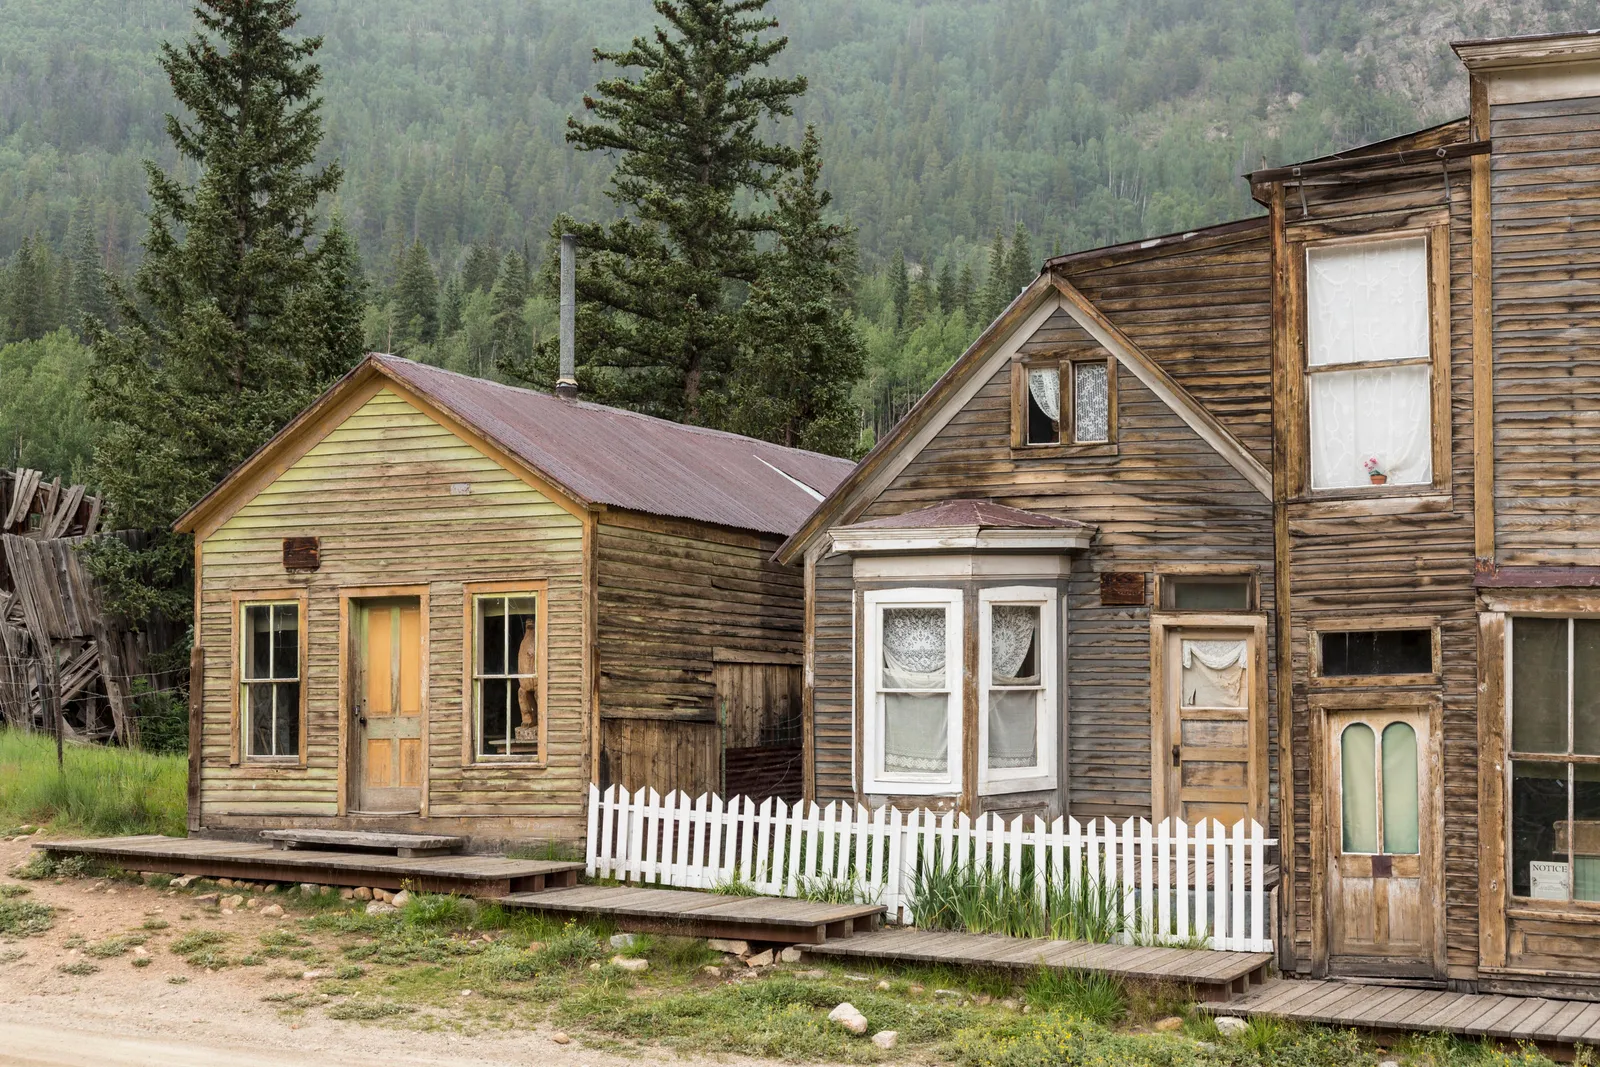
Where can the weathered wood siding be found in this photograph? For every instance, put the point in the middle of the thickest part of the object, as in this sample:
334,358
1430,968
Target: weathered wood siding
377,492
1163,497
670,594
1546,226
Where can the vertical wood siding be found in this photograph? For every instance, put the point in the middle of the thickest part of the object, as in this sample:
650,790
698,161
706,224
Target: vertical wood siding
377,492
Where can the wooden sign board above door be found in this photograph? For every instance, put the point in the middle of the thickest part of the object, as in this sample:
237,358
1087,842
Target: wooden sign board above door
1122,589
301,554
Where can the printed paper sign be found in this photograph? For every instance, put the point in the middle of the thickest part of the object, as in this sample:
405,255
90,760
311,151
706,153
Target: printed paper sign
1549,880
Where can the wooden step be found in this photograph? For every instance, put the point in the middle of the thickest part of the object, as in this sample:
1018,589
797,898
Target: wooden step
404,845
688,913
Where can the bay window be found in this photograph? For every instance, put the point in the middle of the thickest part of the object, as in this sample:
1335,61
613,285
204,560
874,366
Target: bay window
1016,694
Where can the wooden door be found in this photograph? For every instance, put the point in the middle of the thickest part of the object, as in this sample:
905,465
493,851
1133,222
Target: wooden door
387,653
1381,893
1207,756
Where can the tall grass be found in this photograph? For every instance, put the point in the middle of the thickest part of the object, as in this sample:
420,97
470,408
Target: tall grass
104,790
979,900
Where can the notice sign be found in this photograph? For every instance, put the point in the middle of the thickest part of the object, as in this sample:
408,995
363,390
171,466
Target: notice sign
1549,880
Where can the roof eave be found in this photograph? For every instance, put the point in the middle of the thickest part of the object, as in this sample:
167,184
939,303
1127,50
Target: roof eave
867,541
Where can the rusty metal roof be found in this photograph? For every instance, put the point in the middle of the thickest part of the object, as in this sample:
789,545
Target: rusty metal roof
605,455
985,514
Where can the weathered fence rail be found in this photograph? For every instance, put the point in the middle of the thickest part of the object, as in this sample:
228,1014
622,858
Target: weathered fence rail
1200,885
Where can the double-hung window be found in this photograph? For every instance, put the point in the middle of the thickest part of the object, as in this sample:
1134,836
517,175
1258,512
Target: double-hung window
507,664
913,691
1369,363
1554,757
269,679
1016,693
1065,402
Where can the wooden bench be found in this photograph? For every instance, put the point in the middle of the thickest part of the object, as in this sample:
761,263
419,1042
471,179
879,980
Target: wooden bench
403,845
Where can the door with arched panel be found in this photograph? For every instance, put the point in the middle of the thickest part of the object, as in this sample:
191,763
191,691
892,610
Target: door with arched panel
1382,896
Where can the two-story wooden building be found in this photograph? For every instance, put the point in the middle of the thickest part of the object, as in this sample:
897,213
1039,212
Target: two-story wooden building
1292,518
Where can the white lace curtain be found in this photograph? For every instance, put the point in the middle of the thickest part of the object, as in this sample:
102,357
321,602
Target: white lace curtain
916,728
1012,628
1213,674
1013,714
914,648
1044,385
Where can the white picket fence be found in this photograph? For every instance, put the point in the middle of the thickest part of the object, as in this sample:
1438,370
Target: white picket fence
1172,883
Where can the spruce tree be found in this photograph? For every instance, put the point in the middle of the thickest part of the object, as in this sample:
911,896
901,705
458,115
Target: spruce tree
993,299
946,292
416,296
238,315
1020,267
512,341
28,292
88,299
479,270
803,354
899,288
659,289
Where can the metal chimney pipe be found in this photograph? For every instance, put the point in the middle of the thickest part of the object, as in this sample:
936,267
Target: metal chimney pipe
567,380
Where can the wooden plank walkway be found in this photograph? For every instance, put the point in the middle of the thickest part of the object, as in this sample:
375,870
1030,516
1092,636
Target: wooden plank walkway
1213,975
365,841
1554,1023
782,920
485,876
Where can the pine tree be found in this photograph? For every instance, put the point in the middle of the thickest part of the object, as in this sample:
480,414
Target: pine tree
899,288
659,321
239,315
28,292
966,291
450,307
803,354
946,292
1020,267
994,298
479,270
416,296
508,296
87,299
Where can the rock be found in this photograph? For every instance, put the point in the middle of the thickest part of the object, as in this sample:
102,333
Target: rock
535,946
347,894
233,903
594,966
272,911
712,970
111,892
814,974
1167,1025
884,984
383,895
953,994
307,889
401,899
466,992
914,989
632,966
312,976
733,948
206,900
271,887
983,1000
791,955
379,907
148,877
182,883
858,978
848,1017
224,883
362,893
886,1039
140,951
1389,1063
252,904
1011,1004
761,959
1231,1025
621,942
561,1039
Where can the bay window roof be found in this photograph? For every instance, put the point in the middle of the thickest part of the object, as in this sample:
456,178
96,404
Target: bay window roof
963,526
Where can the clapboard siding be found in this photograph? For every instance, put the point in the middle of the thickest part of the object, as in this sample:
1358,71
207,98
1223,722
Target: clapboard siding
833,672
669,595
1546,224
377,493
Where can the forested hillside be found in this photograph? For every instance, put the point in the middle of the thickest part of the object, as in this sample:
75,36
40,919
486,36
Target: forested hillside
942,123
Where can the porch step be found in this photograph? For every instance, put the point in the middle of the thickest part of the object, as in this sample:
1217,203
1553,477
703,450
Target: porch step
403,845
689,913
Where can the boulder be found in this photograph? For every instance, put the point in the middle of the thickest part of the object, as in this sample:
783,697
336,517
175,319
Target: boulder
224,883
713,971
884,985
252,904
886,1039
1169,1024
559,1038
401,898
733,948
1011,1004
184,882
761,959
361,893
1231,1025
623,942
632,966
233,903
307,889
347,894
848,1017
207,900
791,955
535,946
272,911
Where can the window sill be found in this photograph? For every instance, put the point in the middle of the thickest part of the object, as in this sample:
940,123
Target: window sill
1385,500
1061,451
1006,786
1384,681
912,787
271,761
1554,910
506,761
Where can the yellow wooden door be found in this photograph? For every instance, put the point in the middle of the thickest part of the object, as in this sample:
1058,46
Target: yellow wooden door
1211,697
388,646
1380,804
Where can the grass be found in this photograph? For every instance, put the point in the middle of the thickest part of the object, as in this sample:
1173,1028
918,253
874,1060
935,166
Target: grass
24,918
1097,998
985,901
104,791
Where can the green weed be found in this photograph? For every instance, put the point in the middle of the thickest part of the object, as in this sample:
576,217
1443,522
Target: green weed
429,909
367,1009
199,948
8,891
104,790
81,969
1098,998
24,918
112,946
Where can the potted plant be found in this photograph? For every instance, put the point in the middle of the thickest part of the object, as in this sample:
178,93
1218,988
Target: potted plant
1375,473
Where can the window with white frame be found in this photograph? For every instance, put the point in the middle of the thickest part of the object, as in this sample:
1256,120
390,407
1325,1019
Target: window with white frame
269,679
1369,363
1017,691
913,691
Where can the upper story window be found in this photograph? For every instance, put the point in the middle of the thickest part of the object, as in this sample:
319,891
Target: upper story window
1064,402
269,679
1370,363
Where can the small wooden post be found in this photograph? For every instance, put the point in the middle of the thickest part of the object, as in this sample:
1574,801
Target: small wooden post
197,703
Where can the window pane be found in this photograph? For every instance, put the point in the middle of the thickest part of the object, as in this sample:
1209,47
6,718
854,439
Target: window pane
1014,644
914,648
1377,652
1539,685
1586,686
1013,728
1586,836
287,713
1359,788
916,733
524,637
1206,594
1538,808
1091,408
1400,817
258,641
492,635
259,701
496,695
1366,423
1044,405
285,641
1212,674
1367,301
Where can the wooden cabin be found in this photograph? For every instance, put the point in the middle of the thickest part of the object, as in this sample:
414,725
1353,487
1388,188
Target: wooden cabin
439,603
1293,518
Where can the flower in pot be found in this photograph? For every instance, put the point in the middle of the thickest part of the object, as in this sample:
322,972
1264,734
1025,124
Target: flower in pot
1375,473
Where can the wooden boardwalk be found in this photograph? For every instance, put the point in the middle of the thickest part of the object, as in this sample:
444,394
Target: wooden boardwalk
1388,1008
485,876
1213,975
782,920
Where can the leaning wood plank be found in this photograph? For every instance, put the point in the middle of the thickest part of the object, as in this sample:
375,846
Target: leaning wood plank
364,838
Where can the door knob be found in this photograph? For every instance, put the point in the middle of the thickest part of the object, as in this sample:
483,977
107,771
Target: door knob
1175,757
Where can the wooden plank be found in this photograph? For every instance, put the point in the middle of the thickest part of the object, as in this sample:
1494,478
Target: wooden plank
364,839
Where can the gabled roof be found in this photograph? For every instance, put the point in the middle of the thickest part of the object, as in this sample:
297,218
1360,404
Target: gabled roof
594,454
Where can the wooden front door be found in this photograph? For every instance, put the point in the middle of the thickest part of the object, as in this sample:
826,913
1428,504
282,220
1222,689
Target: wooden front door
387,654
1381,893
1208,753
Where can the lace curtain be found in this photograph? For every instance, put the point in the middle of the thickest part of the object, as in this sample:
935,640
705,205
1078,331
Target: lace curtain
1044,385
916,734
1013,714
913,648
1214,673
1384,414
1012,628
1091,410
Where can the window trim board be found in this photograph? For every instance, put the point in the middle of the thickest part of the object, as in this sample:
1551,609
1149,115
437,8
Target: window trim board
240,599
470,591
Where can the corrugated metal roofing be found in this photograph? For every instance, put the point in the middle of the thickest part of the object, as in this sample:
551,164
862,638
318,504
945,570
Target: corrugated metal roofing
605,455
985,514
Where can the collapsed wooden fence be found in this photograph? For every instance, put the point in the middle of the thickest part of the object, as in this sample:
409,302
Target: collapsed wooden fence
1202,885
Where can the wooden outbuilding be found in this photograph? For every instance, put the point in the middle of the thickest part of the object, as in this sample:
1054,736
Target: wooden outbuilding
1292,518
435,603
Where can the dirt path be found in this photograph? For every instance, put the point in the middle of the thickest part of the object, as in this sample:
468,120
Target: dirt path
126,1015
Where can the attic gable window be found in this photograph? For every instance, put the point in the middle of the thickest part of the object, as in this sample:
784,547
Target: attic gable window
1063,402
